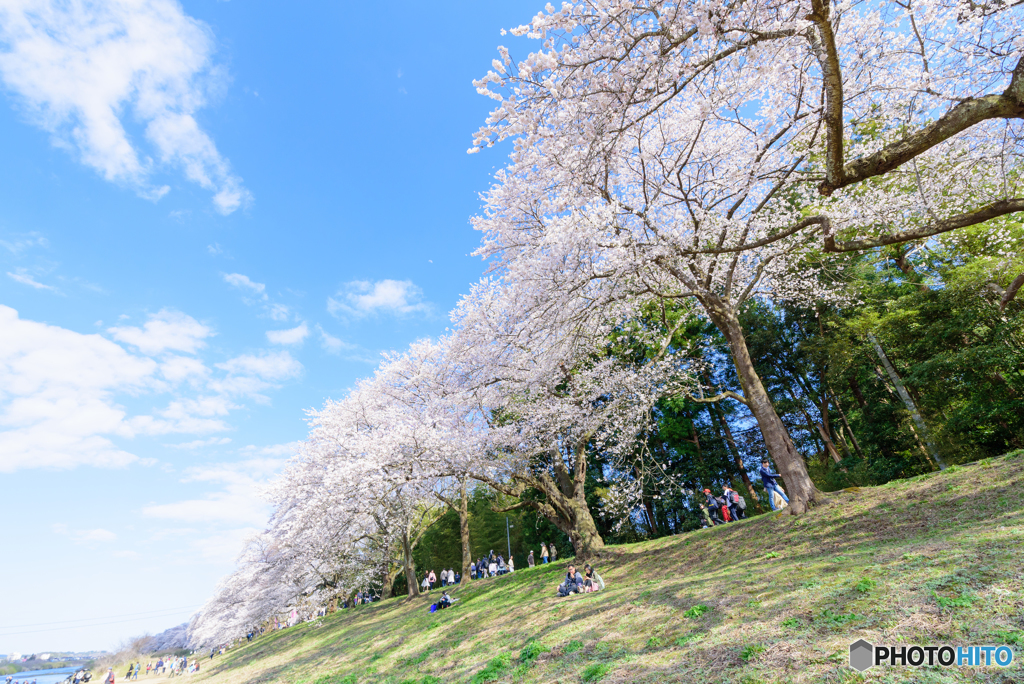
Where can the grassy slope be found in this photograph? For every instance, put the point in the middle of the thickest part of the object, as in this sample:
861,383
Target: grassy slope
933,559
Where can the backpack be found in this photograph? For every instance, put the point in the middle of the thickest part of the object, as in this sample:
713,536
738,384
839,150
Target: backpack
741,502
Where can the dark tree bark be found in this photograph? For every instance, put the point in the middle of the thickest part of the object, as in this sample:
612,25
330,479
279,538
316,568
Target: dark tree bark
409,565
789,461
565,504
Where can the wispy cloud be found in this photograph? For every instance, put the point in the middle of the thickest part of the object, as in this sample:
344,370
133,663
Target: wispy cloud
22,243
362,298
80,69
25,279
295,335
84,536
238,502
332,344
200,443
273,310
243,282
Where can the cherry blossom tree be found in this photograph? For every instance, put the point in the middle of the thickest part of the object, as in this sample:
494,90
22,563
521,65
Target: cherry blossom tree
706,150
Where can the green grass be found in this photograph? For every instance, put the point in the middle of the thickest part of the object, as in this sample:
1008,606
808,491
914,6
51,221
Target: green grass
696,611
768,600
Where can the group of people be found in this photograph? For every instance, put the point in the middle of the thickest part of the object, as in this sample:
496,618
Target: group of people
543,554
492,566
718,510
576,582
360,598
448,578
731,506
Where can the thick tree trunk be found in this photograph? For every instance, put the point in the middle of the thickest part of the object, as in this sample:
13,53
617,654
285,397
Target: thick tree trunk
790,463
907,401
464,529
409,565
389,580
565,508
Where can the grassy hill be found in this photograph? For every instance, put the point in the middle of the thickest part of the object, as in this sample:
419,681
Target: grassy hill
935,559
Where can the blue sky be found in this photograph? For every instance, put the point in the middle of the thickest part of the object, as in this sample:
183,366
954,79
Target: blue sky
213,216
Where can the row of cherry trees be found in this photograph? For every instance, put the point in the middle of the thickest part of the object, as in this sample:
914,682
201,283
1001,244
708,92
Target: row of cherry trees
685,156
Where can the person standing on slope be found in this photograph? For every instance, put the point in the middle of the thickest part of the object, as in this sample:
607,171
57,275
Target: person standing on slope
529,559
543,552
770,486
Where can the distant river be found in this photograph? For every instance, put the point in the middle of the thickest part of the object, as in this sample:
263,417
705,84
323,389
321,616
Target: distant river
44,676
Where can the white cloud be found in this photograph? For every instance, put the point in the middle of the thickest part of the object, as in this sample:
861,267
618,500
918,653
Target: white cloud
84,536
80,69
362,297
286,449
278,312
273,310
269,366
295,335
24,242
176,369
60,391
200,443
97,535
26,279
239,502
242,282
186,415
332,344
165,330
56,396
215,249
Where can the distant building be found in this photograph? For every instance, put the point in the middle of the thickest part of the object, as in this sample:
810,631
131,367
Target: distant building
15,657
44,656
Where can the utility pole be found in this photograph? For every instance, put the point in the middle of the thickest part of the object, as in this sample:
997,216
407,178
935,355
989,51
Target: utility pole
508,538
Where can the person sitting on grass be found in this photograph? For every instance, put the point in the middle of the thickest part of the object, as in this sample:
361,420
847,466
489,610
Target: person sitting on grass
591,580
573,583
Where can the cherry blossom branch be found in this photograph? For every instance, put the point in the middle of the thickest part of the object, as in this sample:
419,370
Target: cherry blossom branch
989,211
1007,105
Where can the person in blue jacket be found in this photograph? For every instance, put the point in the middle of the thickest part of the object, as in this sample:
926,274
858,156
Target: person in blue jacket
768,480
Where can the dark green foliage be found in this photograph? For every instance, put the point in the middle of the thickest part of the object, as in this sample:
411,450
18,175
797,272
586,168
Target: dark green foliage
531,651
494,670
696,611
572,646
596,672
